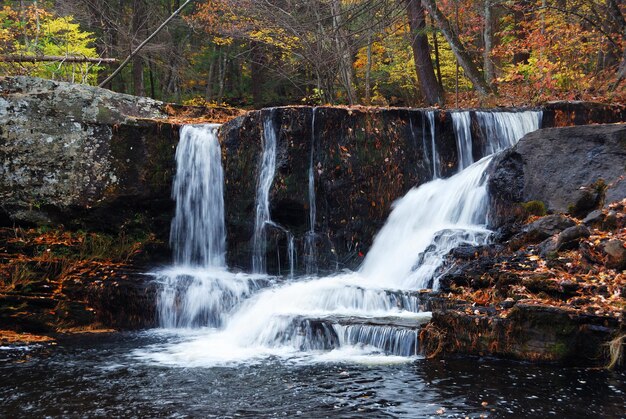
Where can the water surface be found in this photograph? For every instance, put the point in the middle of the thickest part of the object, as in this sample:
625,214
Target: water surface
101,376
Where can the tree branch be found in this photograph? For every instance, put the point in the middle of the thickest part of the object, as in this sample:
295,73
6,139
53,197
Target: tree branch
148,39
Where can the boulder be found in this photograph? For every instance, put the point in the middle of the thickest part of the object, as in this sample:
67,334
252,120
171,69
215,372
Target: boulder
552,165
616,254
546,226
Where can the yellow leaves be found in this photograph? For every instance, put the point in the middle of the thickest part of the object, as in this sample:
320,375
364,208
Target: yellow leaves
40,33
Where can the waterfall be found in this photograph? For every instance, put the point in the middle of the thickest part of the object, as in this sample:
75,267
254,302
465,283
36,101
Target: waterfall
463,134
266,178
310,250
504,129
435,156
197,290
373,311
198,233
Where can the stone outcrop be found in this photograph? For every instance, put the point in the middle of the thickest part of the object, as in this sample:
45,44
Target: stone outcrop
573,169
82,156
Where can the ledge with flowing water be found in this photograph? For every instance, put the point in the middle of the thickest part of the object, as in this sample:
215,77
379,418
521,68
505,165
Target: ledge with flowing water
353,163
337,172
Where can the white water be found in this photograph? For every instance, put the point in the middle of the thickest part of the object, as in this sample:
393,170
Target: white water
348,317
434,154
198,290
266,178
198,233
442,205
310,250
463,133
504,129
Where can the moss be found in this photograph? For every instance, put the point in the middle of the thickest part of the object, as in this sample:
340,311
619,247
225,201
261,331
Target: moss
537,208
559,350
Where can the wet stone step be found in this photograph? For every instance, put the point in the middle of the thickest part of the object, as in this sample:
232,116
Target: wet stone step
392,335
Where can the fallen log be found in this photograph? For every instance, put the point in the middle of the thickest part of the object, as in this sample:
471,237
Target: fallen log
18,58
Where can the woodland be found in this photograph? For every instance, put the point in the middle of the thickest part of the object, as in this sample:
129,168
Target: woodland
258,53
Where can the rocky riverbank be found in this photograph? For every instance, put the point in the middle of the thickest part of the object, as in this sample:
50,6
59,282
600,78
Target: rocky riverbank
525,298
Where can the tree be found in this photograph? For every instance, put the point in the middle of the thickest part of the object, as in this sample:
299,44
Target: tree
462,56
37,33
429,85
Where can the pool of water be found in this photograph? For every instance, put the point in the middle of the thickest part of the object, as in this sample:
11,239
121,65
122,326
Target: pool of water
103,376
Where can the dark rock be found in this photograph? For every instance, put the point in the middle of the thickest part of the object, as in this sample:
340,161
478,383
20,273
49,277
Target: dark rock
567,113
468,252
616,253
568,239
594,219
571,237
586,199
543,228
364,159
551,165
531,332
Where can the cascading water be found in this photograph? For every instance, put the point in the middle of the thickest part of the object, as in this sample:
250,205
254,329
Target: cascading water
310,253
266,177
198,233
198,290
434,154
504,129
462,131
374,310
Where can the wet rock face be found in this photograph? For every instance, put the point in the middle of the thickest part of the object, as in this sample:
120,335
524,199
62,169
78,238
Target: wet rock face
565,114
573,169
81,156
362,162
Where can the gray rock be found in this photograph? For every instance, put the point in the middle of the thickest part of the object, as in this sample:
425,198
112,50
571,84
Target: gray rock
616,254
551,165
594,218
571,237
81,155
567,239
546,226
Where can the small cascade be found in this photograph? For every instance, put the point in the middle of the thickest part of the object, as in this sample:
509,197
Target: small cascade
198,233
310,249
435,156
458,203
392,340
462,131
291,254
504,129
266,178
198,290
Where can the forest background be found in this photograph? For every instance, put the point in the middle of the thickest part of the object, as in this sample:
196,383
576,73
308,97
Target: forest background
257,53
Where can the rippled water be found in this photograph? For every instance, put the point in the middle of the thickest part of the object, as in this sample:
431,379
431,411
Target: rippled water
100,376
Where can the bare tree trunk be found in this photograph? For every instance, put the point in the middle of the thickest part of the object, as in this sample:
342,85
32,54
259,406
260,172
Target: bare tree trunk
437,60
488,40
429,86
458,49
257,70
222,74
343,51
208,95
368,69
138,29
